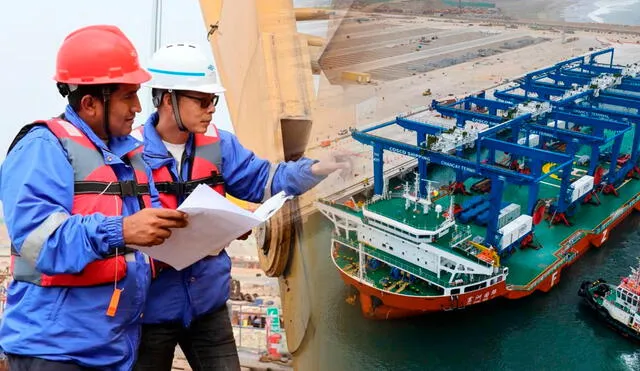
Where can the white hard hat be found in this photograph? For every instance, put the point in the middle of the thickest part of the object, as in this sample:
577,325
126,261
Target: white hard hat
183,67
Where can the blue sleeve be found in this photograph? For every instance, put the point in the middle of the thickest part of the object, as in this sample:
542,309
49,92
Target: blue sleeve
295,177
37,197
247,176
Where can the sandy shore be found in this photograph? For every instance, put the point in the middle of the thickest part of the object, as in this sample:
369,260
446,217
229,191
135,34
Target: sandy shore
341,106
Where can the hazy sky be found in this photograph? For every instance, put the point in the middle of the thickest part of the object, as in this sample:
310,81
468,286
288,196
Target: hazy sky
31,32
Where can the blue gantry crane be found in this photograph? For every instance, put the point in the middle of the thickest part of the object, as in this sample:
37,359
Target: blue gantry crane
623,95
559,103
470,168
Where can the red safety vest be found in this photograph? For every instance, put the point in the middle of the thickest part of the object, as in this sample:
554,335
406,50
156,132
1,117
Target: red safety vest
205,167
97,189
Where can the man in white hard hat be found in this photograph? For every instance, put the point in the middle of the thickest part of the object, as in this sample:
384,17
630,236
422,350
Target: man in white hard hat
184,149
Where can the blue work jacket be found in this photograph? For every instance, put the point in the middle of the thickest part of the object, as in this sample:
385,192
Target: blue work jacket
69,323
181,296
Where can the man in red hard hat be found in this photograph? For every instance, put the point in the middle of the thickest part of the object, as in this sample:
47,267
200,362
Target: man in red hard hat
73,197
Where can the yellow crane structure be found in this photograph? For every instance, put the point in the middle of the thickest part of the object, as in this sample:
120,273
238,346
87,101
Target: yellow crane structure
265,65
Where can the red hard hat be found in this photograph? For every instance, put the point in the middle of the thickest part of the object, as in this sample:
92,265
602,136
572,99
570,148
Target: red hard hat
99,55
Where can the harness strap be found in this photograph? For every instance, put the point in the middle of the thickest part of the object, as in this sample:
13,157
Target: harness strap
185,188
124,188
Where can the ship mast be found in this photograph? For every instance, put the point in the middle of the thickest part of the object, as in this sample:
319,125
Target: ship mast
416,190
156,37
416,198
635,274
156,31
407,196
450,216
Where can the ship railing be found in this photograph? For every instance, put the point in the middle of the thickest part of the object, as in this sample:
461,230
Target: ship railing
567,257
346,241
407,267
395,261
611,218
389,259
567,253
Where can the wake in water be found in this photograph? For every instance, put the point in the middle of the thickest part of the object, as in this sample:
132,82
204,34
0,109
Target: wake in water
631,361
605,7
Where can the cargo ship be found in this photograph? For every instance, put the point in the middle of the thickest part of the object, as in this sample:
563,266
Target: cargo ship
616,305
496,201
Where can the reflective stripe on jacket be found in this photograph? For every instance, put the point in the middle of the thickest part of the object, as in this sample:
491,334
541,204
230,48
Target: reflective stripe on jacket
96,190
70,323
205,285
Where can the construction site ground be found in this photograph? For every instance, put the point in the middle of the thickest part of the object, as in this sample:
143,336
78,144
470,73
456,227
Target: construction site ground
248,362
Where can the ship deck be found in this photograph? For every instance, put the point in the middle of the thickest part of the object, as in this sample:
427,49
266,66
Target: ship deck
527,265
395,209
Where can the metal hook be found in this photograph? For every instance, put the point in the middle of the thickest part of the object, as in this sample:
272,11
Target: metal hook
212,29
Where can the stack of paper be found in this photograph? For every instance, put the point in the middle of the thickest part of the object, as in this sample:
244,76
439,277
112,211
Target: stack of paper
214,222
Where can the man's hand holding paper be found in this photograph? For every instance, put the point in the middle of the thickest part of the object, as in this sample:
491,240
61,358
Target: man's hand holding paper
214,222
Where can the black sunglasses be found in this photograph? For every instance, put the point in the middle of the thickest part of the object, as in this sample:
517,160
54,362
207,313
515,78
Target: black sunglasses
205,102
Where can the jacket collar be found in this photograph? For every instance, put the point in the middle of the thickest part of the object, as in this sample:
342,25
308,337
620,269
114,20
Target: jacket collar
155,152
118,146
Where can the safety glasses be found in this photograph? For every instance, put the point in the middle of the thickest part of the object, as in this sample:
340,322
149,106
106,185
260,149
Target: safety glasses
205,102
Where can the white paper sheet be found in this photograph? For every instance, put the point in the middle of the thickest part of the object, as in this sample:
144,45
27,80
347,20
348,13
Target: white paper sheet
214,222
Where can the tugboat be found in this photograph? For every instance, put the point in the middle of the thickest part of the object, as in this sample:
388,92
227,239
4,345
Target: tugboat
617,305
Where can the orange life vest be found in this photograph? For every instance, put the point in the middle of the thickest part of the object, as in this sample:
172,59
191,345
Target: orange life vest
97,189
205,167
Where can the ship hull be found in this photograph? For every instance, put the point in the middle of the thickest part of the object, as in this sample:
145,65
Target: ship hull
379,304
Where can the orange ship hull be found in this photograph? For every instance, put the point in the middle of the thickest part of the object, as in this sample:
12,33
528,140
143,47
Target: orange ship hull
380,304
